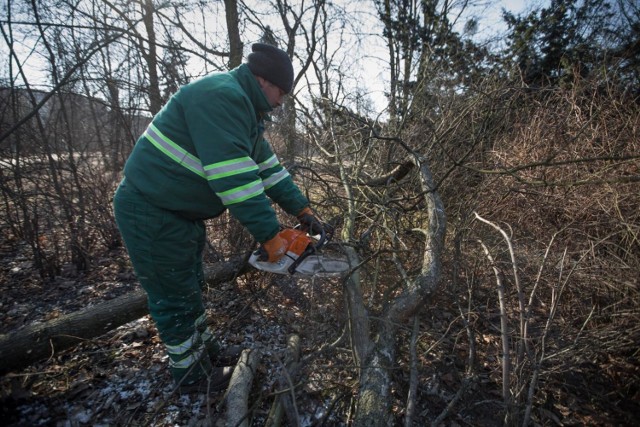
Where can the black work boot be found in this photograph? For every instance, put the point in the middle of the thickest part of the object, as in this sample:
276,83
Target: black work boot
216,380
227,356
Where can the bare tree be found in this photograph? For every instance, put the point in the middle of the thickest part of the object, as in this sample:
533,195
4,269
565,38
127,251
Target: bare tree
233,28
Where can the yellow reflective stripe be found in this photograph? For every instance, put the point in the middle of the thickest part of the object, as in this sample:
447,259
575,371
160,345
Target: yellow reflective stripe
184,346
200,320
269,163
187,344
218,170
242,193
230,168
173,150
187,361
207,335
274,179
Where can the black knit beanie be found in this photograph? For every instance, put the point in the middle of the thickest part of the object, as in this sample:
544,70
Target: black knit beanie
272,64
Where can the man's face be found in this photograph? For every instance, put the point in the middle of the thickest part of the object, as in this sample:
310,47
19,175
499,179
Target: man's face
274,94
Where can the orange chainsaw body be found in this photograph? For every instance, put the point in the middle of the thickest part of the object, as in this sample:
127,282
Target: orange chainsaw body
297,241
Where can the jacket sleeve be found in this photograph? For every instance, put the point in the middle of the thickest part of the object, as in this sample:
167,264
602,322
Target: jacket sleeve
278,184
222,132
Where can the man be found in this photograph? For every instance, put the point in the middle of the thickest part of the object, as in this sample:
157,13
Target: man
203,153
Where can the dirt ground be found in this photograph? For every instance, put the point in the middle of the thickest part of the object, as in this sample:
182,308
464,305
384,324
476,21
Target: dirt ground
120,378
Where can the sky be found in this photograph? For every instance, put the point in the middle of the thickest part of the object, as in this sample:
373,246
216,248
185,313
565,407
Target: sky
372,75
491,17
493,14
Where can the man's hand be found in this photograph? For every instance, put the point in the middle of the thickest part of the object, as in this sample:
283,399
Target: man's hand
276,248
309,222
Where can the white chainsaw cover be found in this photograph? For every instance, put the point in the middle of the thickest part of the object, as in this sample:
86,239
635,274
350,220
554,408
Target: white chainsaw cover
313,265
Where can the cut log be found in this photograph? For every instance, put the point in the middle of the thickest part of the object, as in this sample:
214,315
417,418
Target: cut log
239,387
24,346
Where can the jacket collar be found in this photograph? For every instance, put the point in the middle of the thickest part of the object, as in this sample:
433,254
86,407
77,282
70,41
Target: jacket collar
249,83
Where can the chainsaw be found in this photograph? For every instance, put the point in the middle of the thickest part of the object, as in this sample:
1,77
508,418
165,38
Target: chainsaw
303,255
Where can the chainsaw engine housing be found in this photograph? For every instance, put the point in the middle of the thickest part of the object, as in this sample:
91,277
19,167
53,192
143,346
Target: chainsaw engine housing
302,256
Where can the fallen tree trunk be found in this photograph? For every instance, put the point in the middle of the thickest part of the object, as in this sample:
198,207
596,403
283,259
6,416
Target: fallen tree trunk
31,343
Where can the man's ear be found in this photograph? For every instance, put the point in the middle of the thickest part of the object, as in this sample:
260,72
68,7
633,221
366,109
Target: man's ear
261,81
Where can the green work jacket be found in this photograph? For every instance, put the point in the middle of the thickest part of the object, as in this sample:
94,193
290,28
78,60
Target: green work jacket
204,152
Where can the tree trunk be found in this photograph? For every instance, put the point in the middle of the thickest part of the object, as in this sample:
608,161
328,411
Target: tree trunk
151,56
374,400
373,406
31,343
233,29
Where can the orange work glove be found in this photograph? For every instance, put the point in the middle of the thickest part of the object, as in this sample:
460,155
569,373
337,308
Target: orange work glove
309,222
276,248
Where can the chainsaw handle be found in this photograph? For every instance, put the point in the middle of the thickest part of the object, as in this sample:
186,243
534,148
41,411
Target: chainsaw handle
324,236
322,240
261,252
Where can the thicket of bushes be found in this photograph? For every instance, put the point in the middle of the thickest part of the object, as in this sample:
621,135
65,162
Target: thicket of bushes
557,171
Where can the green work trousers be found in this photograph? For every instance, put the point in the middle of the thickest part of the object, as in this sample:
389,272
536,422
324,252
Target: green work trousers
166,253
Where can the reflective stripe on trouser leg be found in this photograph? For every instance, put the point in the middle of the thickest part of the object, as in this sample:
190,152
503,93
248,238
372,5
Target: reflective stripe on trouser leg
190,358
165,250
208,339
